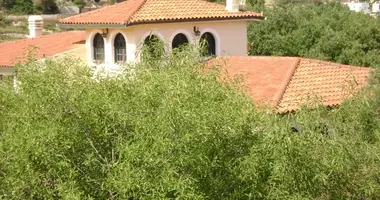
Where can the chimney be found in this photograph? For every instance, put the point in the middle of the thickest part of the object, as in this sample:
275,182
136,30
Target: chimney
233,5
269,3
35,26
242,4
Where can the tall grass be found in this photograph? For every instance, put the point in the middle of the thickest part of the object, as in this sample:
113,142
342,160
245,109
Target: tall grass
170,131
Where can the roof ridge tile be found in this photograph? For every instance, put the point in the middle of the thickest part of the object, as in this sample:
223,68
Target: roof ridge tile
288,77
321,62
141,4
133,12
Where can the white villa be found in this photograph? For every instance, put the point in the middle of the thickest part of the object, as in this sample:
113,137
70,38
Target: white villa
115,34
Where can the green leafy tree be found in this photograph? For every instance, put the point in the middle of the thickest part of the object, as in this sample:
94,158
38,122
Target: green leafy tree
173,129
19,6
24,6
323,31
7,4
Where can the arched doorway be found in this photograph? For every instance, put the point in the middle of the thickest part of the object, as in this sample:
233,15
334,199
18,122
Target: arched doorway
208,45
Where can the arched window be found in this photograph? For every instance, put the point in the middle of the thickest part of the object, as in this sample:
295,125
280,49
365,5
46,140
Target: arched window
179,40
153,47
120,48
98,47
208,44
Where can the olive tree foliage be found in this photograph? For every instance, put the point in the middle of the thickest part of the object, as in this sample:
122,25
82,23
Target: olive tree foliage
328,32
170,129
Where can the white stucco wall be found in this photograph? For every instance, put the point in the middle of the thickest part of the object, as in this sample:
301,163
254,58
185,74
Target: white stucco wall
6,71
9,71
80,52
230,37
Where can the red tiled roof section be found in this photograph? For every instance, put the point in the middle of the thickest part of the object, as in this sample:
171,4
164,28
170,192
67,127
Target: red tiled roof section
116,14
49,45
172,10
265,78
317,81
149,11
287,83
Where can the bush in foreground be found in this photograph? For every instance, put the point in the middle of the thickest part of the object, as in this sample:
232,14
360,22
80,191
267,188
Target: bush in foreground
170,132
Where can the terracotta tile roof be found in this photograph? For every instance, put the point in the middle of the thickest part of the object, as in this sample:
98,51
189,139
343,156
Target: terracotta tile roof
47,45
116,14
317,81
264,77
133,12
286,83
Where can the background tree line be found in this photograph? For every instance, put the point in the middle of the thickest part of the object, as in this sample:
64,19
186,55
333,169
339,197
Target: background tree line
322,31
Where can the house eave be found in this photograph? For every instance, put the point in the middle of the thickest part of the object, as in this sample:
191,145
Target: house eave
85,25
6,69
105,25
248,19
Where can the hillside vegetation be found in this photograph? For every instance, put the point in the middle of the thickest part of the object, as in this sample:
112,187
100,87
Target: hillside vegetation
167,130
37,6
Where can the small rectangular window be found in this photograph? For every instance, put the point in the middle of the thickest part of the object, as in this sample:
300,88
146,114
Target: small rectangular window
120,55
99,54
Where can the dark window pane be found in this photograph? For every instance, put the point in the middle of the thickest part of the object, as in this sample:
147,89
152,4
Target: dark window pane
98,47
120,48
208,44
153,47
179,40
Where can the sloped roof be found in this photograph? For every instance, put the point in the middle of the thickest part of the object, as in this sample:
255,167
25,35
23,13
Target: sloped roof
47,45
286,83
322,82
133,12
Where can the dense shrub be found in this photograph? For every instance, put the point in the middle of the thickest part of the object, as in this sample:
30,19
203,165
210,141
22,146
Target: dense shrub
164,130
22,7
47,7
29,7
3,20
323,31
